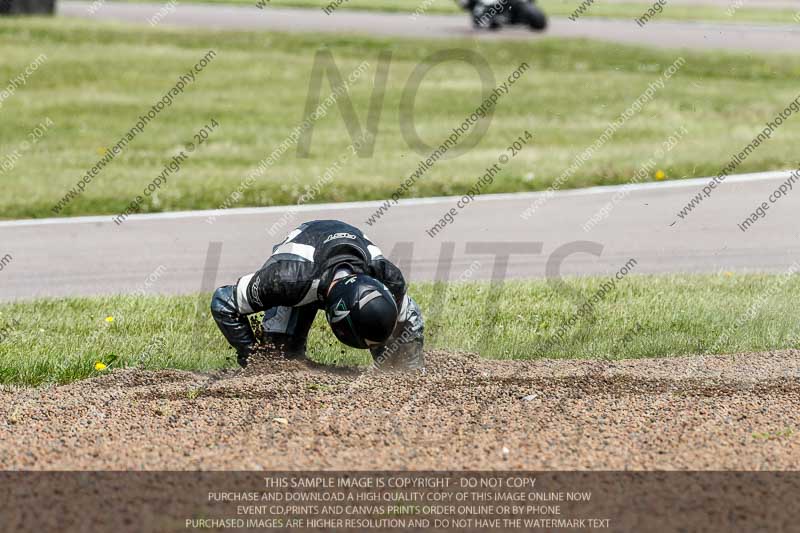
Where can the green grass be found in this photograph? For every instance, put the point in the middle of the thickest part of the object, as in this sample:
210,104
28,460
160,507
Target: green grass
60,340
559,8
695,12
99,78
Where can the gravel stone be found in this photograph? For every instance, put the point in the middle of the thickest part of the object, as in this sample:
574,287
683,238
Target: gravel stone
697,413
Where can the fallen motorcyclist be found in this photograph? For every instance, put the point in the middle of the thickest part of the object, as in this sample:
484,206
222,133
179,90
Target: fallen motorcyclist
330,265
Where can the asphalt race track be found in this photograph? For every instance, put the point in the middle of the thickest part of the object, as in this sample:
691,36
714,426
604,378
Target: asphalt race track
742,37
92,255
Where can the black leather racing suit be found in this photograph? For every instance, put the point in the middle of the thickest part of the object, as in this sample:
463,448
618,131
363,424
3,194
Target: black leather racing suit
291,287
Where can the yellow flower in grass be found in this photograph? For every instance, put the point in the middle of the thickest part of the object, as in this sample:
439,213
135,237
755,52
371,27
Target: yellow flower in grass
109,319
660,175
100,366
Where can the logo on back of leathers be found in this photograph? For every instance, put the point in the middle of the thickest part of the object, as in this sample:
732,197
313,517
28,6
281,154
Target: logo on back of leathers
333,236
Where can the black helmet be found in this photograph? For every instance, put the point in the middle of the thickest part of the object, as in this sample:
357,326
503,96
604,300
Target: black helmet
361,311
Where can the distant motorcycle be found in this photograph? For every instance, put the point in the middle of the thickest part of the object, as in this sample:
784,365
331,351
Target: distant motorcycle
494,14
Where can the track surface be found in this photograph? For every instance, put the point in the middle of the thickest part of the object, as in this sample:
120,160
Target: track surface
696,413
85,256
742,37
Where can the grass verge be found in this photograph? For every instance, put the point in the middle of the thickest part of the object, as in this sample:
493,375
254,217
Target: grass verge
98,79
645,316
559,8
